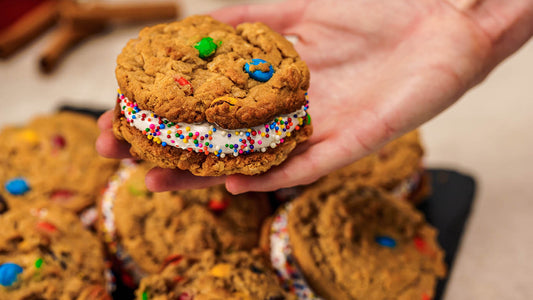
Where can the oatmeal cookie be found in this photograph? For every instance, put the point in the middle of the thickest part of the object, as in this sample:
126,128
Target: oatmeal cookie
203,96
45,253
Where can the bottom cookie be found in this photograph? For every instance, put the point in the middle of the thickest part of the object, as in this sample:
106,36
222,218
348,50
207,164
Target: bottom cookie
202,164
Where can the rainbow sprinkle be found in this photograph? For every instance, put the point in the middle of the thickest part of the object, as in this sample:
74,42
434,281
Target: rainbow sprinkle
212,139
283,261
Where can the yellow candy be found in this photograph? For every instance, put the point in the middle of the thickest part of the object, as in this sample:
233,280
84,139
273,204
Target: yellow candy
29,136
227,99
288,134
188,128
220,270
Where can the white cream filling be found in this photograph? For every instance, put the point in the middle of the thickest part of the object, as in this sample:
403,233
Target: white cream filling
211,138
108,221
282,259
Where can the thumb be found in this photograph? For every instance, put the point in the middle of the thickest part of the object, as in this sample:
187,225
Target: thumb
279,16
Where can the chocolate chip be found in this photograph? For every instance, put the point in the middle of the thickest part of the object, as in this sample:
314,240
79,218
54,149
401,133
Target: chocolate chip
3,205
256,270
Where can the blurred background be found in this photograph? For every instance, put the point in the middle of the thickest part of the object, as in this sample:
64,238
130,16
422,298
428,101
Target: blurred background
487,134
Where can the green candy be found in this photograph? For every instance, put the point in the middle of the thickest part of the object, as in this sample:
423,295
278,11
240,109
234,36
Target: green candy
206,47
144,296
308,119
135,191
39,263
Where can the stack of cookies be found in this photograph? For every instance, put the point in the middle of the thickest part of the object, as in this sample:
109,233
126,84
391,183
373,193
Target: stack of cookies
202,96
52,179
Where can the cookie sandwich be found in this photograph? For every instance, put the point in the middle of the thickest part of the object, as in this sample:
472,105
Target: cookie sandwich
353,242
144,230
53,158
202,96
396,168
238,275
46,253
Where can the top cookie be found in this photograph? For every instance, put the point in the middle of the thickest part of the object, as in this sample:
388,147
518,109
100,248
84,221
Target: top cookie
388,167
238,275
356,242
396,168
150,228
53,158
201,70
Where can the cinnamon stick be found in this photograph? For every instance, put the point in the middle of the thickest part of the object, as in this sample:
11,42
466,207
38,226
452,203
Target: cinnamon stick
111,12
65,37
28,27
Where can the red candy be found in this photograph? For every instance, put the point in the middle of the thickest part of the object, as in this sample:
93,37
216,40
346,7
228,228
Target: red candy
59,142
420,244
185,296
46,227
218,205
182,81
425,297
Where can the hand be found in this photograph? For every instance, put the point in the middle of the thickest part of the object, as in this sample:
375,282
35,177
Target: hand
378,70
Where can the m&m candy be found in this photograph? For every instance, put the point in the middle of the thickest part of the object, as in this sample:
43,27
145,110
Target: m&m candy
206,47
386,241
9,273
259,69
17,186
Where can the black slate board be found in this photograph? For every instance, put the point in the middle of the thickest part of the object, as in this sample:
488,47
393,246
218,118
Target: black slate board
447,209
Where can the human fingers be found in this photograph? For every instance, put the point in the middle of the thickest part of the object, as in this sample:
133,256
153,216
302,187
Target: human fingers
105,121
507,24
108,146
159,180
278,16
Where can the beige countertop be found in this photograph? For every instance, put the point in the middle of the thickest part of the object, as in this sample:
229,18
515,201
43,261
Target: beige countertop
487,134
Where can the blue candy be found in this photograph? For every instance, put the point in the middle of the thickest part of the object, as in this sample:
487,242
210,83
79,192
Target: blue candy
9,273
386,241
17,186
258,74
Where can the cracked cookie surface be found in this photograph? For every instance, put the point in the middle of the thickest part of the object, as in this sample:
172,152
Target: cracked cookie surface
163,72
